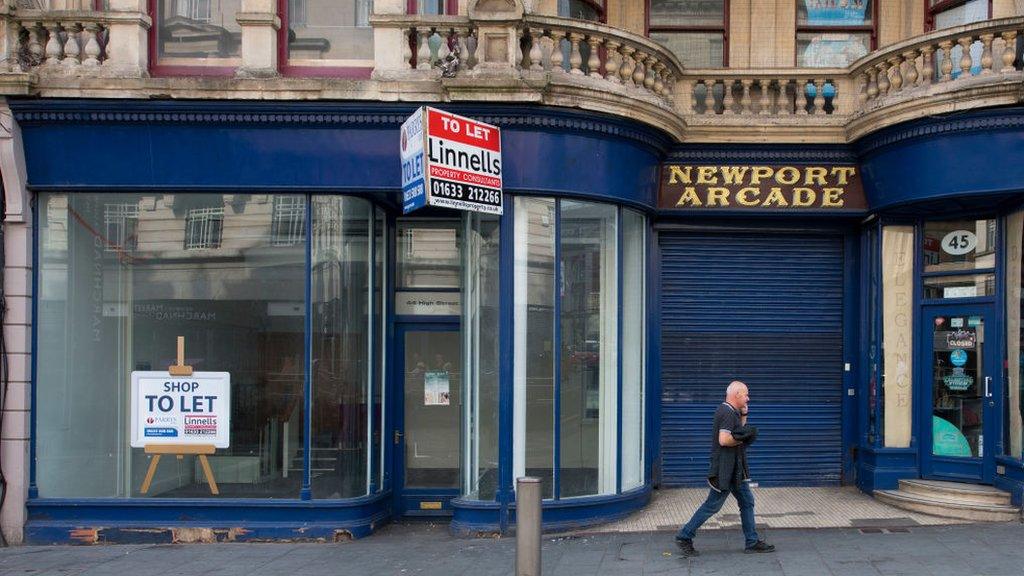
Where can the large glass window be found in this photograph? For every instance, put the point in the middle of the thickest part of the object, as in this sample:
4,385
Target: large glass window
322,33
833,34
198,33
568,317
122,275
694,30
483,355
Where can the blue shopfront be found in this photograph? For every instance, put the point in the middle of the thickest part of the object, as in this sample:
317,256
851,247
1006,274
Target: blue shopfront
381,364
386,365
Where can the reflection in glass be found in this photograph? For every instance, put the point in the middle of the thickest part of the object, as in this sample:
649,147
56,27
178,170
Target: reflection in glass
687,12
433,394
833,12
579,9
969,286
428,254
483,360
198,33
694,49
330,32
109,305
534,340
958,374
954,245
831,49
588,322
633,346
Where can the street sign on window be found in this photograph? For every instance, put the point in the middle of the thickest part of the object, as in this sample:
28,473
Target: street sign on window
451,161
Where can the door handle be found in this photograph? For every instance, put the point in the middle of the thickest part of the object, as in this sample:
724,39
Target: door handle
398,437
988,380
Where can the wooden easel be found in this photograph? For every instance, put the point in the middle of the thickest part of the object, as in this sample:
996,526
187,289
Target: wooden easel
200,450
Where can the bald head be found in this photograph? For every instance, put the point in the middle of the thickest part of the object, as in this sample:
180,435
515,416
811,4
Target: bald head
737,395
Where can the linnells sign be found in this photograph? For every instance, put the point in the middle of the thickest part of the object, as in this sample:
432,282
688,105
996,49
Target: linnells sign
450,161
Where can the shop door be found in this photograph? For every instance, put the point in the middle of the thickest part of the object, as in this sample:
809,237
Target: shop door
959,393
427,424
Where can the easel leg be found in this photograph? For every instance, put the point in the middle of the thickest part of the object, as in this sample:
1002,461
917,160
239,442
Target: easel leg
149,473
209,474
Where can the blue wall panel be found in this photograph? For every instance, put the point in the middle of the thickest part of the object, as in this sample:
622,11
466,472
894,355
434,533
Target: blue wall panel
765,309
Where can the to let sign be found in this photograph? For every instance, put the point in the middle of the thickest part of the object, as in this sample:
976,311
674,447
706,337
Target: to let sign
776,188
451,161
181,410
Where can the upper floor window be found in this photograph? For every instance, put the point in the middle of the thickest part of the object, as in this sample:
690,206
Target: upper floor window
121,220
432,7
327,37
950,13
201,36
288,222
834,33
582,10
696,31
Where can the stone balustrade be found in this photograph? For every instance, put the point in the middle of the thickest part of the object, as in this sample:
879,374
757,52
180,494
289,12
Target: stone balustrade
566,49
78,42
61,39
799,92
982,53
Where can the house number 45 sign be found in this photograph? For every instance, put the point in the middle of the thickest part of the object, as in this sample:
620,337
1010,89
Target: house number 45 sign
959,242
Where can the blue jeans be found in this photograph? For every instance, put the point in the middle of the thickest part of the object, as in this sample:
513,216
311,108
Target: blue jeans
714,502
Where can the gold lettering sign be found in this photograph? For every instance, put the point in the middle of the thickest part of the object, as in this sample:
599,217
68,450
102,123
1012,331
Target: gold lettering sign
776,188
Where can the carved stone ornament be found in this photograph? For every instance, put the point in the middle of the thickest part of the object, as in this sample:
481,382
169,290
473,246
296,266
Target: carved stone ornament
495,10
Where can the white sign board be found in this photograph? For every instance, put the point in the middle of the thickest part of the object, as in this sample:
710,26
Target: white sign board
181,410
451,161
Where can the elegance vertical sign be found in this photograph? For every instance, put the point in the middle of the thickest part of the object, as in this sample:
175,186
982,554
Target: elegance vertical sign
450,161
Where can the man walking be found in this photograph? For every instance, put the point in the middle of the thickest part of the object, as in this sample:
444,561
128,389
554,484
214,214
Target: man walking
730,436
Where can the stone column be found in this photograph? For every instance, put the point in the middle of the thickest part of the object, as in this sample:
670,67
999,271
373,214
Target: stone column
128,45
260,23
14,438
898,332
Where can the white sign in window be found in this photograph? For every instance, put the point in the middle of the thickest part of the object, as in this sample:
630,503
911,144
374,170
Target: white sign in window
181,410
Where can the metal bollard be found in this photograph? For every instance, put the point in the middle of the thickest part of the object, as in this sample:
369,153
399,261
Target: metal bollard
528,516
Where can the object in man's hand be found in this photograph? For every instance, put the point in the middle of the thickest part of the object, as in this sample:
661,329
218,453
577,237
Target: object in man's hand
745,434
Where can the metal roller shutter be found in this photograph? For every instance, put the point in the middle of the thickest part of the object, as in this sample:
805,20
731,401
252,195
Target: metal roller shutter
762,308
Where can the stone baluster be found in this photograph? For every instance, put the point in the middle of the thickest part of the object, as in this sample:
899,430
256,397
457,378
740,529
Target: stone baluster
613,62
946,48
712,103
462,44
896,81
536,55
764,103
927,64
746,104
628,64
804,101
911,76
444,49
649,65
1010,38
594,61
883,79
698,101
728,97
659,79
863,82
422,49
986,53
408,37
965,56
819,96
872,83
639,72
471,47
53,47
575,58
72,49
557,64
35,45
